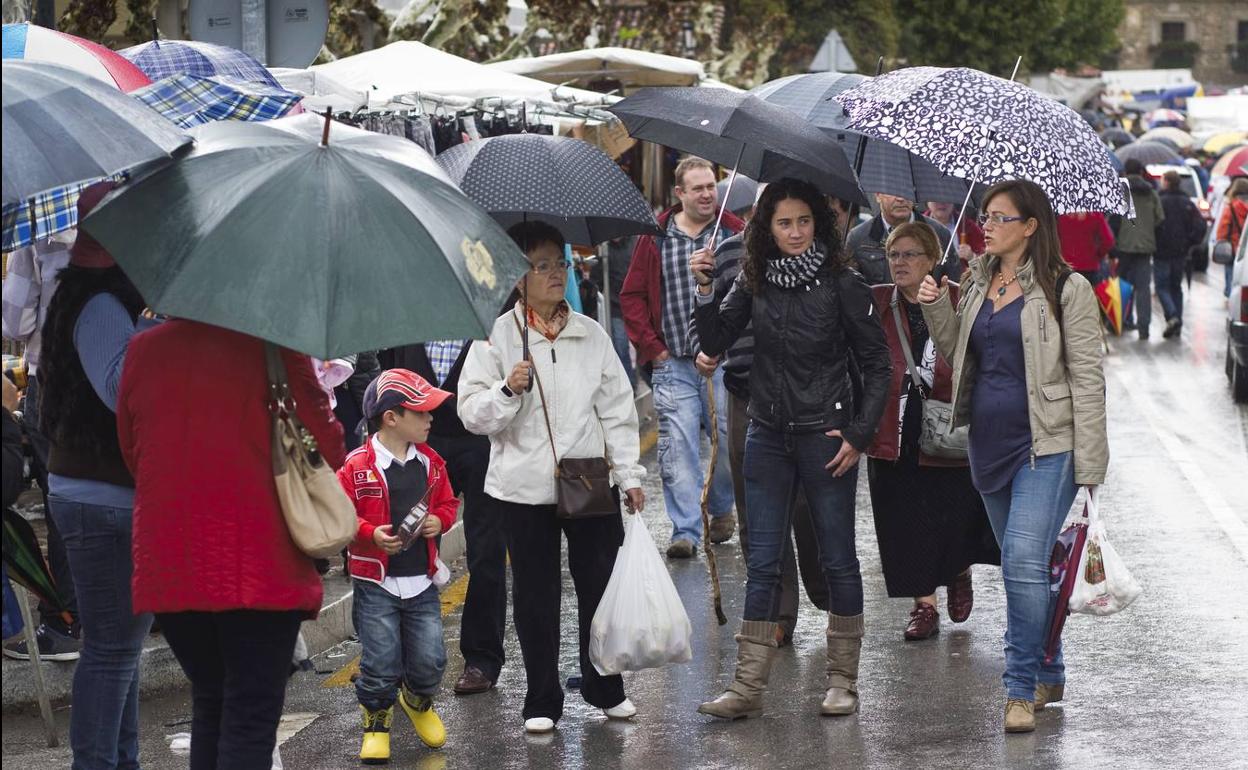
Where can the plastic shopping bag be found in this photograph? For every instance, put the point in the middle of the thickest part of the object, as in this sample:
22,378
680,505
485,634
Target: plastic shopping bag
640,622
1103,584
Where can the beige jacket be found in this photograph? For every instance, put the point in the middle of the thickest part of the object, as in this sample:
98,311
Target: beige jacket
1065,381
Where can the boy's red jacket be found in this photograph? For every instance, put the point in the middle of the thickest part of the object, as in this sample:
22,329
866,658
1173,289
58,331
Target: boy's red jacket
366,486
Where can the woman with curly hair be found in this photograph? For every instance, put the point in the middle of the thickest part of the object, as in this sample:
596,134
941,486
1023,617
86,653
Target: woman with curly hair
810,312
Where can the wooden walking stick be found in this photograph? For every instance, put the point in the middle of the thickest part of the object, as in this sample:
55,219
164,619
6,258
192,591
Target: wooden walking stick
706,511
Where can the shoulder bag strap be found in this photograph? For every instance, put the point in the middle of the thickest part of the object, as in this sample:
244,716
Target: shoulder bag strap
905,344
541,393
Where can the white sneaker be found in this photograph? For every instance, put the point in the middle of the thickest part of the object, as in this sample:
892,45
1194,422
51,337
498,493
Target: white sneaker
539,725
623,710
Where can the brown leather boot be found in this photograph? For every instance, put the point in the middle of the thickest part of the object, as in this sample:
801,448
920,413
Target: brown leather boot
756,649
1048,693
844,650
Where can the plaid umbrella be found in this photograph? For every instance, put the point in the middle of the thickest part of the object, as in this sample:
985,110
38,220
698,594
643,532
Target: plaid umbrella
162,58
43,216
189,100
976,126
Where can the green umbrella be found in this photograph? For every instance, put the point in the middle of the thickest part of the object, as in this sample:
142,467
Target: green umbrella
327,240
25,564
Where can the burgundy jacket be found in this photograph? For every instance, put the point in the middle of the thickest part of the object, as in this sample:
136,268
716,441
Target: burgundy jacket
641,296
887,443
193,419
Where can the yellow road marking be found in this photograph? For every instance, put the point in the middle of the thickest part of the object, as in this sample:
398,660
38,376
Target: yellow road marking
452,599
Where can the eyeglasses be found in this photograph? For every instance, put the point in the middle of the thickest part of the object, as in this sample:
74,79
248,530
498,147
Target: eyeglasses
997,219
542,268
908,256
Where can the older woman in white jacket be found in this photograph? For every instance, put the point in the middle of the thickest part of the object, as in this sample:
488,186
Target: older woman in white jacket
590,404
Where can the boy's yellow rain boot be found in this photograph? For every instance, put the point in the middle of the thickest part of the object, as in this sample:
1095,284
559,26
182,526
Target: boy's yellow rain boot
375,750
428,724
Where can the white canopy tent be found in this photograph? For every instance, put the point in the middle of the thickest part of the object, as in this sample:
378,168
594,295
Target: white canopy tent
634,69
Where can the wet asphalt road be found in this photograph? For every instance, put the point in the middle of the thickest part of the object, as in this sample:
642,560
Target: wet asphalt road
1164,684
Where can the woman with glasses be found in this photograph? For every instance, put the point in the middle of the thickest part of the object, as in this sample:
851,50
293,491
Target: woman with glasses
1024,339
573,381
809,312
929,520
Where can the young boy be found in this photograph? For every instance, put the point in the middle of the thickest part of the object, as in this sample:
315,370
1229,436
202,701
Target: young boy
397,613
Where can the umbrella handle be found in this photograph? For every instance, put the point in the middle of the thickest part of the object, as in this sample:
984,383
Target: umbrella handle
724,203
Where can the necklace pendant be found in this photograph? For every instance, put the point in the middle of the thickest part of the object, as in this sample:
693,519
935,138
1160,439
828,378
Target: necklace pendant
1001,292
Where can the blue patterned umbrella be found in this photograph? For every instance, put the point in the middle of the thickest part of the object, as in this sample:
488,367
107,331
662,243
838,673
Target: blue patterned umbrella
980,127
190,101
162,58
43,216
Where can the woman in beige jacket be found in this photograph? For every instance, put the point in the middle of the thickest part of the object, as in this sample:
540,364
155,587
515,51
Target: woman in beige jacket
1026,351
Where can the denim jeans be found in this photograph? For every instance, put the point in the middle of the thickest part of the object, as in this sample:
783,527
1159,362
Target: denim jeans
238,662
619,339
1027,516
400,641
1137,270
775,463
684,412
1168,275
104,723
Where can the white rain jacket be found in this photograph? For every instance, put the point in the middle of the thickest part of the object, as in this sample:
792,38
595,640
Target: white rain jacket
580,373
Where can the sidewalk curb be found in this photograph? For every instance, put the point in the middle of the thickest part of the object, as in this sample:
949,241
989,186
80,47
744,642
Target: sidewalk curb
159,670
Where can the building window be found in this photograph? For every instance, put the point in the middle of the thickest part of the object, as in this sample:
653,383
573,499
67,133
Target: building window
1173,31
1174,51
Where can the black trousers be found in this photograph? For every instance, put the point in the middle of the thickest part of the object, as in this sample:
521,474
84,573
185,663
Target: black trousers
484,619
58,560
533,539
238,663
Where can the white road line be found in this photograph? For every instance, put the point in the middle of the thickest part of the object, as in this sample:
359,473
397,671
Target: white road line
1234,527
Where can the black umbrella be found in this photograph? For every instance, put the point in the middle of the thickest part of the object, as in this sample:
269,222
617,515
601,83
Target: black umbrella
565,182
743,132
25,564
1149,153
1117,137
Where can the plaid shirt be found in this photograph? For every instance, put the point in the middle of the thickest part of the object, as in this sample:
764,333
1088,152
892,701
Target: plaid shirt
679,288
29,284
442,357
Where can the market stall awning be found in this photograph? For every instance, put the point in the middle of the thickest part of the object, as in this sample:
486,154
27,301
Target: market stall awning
633,69
405,70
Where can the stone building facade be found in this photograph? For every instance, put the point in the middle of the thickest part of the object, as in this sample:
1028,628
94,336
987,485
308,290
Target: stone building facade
1210,37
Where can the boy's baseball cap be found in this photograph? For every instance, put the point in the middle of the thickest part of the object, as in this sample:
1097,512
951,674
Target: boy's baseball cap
401,388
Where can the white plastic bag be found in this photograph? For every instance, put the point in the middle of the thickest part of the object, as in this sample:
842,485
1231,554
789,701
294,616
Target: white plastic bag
1103,584
640,622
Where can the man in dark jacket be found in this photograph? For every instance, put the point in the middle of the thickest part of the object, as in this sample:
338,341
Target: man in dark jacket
866,241
1135,245
467,457
1181,229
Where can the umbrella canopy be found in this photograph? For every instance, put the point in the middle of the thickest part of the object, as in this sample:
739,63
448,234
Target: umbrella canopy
1220,143
38,44
1233,163
328,248
1114,295
62,127
24,562
631,67
565,182
189,101
1117,137
162,58
1164,117
44,215
987,129
1175,136
1149,153
742,195
886,168
743,132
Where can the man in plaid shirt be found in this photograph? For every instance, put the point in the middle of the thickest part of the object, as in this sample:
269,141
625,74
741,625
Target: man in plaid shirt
657,301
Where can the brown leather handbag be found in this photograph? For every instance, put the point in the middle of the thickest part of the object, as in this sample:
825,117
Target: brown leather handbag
583,488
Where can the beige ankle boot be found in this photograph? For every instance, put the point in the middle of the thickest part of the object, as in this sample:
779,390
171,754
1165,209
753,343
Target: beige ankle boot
1048,693
756,649
844,649
1020,716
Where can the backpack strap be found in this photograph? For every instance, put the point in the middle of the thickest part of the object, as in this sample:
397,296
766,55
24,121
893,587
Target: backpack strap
1062,278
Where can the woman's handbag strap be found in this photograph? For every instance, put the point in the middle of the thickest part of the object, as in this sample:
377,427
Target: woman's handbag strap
905,346
541,393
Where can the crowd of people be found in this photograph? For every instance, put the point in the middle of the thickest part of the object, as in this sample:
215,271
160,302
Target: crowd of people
966,367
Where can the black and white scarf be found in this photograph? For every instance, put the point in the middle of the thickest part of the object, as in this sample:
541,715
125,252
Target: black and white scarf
791,272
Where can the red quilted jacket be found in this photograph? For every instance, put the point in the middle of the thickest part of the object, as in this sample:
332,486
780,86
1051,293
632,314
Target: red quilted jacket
366,486
194,426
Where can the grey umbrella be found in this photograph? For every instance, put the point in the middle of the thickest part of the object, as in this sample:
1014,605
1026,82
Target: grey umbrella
886,168
1117,137
327,241
61,127
1148,153
565,182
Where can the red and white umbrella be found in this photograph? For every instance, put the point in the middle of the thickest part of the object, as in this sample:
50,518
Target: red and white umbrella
35,43
1163,117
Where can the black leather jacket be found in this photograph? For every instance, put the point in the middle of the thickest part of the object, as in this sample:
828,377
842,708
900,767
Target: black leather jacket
803,338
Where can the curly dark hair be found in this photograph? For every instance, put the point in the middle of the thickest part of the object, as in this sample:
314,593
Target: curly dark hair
65,393
760,246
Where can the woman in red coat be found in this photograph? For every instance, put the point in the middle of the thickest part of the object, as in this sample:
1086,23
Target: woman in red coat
929,520
212,555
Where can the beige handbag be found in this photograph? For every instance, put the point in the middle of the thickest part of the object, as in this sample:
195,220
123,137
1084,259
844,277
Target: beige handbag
318,513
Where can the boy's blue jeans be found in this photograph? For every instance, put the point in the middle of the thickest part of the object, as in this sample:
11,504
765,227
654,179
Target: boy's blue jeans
1027,516
680,398
400,642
